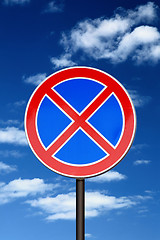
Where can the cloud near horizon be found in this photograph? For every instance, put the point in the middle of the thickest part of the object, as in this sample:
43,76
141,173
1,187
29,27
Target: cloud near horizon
19,188
63,206
129,34
11,154
108,177
5,168
13,135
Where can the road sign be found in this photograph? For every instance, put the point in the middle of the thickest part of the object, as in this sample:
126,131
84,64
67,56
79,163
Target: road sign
80,122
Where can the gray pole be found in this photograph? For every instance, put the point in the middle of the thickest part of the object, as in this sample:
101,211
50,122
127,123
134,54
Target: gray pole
80,209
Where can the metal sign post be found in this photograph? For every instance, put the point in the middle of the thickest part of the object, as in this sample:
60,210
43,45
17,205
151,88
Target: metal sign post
80,209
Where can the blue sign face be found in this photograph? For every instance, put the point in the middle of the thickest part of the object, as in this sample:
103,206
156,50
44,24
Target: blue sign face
81,148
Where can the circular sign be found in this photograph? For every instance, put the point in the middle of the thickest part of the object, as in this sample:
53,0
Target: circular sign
80,122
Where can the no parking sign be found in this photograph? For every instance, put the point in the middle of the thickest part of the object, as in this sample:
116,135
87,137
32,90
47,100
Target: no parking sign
80,122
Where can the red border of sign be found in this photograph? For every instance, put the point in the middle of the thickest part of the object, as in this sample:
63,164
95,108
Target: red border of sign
100,166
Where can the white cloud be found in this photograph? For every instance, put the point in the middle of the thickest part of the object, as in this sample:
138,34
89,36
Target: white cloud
93,34
60,207
142,162
10,122
35,79
16,2
88,235
124,36
10,153
63,206
16,106
22,188
145,13
54,6
149,192
139,147
140,40
62,61
19,103
13,135
138,101
4,168
108,177
148,53
97,202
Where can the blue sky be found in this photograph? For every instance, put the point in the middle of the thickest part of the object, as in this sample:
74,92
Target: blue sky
39,37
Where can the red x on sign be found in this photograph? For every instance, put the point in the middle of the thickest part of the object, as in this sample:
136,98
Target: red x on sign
79,121
112,96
